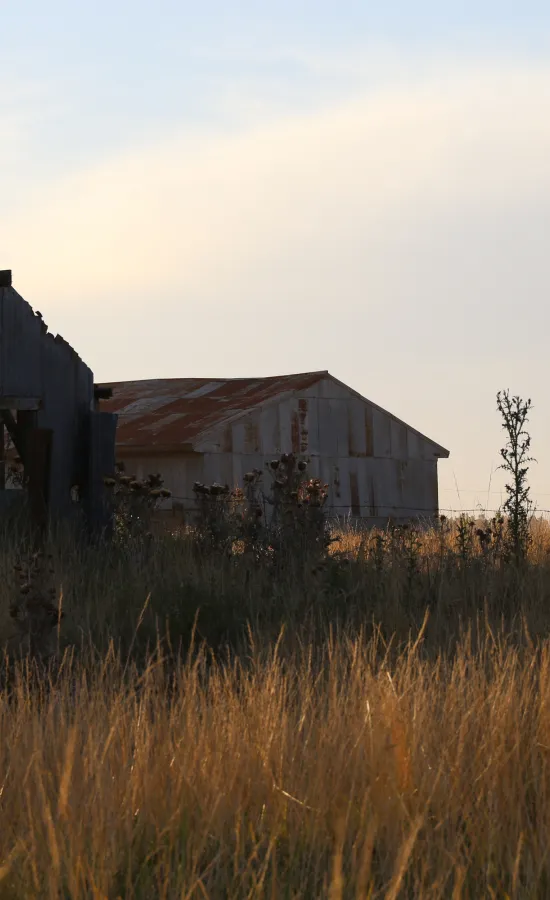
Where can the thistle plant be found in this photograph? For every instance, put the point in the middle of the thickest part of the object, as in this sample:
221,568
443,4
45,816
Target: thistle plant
216,516
515,454
296,528
465,537
298,524
134,501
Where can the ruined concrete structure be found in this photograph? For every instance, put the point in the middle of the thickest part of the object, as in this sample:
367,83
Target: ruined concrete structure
207,430
49,407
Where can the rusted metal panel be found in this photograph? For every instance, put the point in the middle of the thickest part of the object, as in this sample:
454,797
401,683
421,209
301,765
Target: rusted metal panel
313,440
368,478
356,428
336,485
372,496
413,445
339,419
345,466
401,469
179,472
227,439
238,437
294,431
211,470
197,405
328,438
369,431
285,426
299,426
381,434
238,470
269,429
420,486
398,440
303,419
354,492
251,436
330,389
225,470
314,468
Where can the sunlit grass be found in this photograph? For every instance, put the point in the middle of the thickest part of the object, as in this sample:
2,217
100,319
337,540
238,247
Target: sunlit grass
347,776
377,729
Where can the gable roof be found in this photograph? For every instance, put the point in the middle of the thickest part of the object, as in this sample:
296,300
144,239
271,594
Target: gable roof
166,415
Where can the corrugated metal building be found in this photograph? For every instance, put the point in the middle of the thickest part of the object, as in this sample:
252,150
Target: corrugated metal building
376,466
48,409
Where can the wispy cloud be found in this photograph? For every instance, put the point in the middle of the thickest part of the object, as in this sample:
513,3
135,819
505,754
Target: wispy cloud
207,214
400,231
27,108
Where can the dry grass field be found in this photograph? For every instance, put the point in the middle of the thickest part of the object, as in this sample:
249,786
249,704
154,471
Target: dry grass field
376,728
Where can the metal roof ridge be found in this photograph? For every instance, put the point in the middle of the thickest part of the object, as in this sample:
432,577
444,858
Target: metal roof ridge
205,378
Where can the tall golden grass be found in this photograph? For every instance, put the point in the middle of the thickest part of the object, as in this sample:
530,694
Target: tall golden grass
372,735
348,776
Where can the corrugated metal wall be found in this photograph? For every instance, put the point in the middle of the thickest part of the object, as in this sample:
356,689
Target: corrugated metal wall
376,467
37,366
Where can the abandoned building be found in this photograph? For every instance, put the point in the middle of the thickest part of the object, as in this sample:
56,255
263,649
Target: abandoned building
207,430
52,430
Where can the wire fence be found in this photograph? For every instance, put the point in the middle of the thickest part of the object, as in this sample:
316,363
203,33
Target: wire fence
386,510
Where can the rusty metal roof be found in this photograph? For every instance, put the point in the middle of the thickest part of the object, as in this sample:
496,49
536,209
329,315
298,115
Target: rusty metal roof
167,415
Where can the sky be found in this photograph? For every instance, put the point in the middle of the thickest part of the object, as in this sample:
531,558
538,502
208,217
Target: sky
224,189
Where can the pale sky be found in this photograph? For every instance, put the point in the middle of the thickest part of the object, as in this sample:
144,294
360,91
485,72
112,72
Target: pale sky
239,189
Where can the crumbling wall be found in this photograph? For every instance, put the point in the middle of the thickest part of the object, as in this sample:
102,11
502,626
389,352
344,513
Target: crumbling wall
64,440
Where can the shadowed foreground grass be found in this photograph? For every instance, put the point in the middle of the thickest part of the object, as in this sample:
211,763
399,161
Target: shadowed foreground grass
334,771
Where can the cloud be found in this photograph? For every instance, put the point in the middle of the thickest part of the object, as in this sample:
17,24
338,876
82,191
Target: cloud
398,238
202,214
